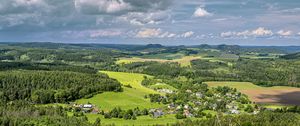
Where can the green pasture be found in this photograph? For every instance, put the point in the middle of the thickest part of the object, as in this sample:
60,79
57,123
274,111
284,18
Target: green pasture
128,99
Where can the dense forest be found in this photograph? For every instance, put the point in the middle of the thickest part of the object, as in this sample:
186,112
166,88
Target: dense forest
52,86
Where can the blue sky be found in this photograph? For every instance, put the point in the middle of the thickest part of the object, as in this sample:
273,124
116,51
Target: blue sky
168,22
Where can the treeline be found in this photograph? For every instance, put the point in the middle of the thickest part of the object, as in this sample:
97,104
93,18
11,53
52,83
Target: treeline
268,72
291,56
21,114
261,119
53,86
125,114
46,66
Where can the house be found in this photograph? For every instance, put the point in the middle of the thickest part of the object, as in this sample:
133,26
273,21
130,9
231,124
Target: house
171,106
186,107
187,113
234,111
199,95
156,112
188,91
198,103
178,107
255,112
87,106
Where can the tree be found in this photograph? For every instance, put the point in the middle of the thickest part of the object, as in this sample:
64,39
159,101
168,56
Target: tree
97,122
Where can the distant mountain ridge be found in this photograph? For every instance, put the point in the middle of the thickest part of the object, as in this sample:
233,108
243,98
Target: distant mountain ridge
228,48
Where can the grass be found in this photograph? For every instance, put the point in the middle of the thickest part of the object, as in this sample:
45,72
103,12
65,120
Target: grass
184,61
128,99
244,85
237,85
141,120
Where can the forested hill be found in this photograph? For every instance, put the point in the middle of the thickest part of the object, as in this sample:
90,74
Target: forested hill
292,56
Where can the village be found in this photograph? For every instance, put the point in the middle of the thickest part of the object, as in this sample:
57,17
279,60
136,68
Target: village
230,102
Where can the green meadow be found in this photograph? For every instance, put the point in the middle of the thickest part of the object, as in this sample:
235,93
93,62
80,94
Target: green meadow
244,85
183,61
141,120
128,99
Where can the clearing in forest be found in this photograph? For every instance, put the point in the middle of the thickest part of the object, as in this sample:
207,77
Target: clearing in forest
184,61
281,95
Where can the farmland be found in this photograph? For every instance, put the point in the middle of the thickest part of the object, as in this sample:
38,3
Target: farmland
280,95
184,61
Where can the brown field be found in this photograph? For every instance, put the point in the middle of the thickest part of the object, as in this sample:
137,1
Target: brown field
279,95
274,96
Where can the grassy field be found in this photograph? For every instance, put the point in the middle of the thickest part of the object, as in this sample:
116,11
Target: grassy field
128,99
245,86
277,95
184,61
141,120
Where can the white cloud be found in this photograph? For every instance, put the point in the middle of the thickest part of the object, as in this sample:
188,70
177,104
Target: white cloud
227,34
201,12
154,33
187,34
119,7
284,33
149,33
299,33
101,6
167,35
259,32
141,18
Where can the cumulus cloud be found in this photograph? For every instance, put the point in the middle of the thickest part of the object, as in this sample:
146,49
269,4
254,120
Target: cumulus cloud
119,6
284,33
141,18
187,34
154,33
148,33
259,32
102,6
201,12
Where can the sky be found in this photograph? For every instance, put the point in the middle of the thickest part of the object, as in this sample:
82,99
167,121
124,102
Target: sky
167,22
